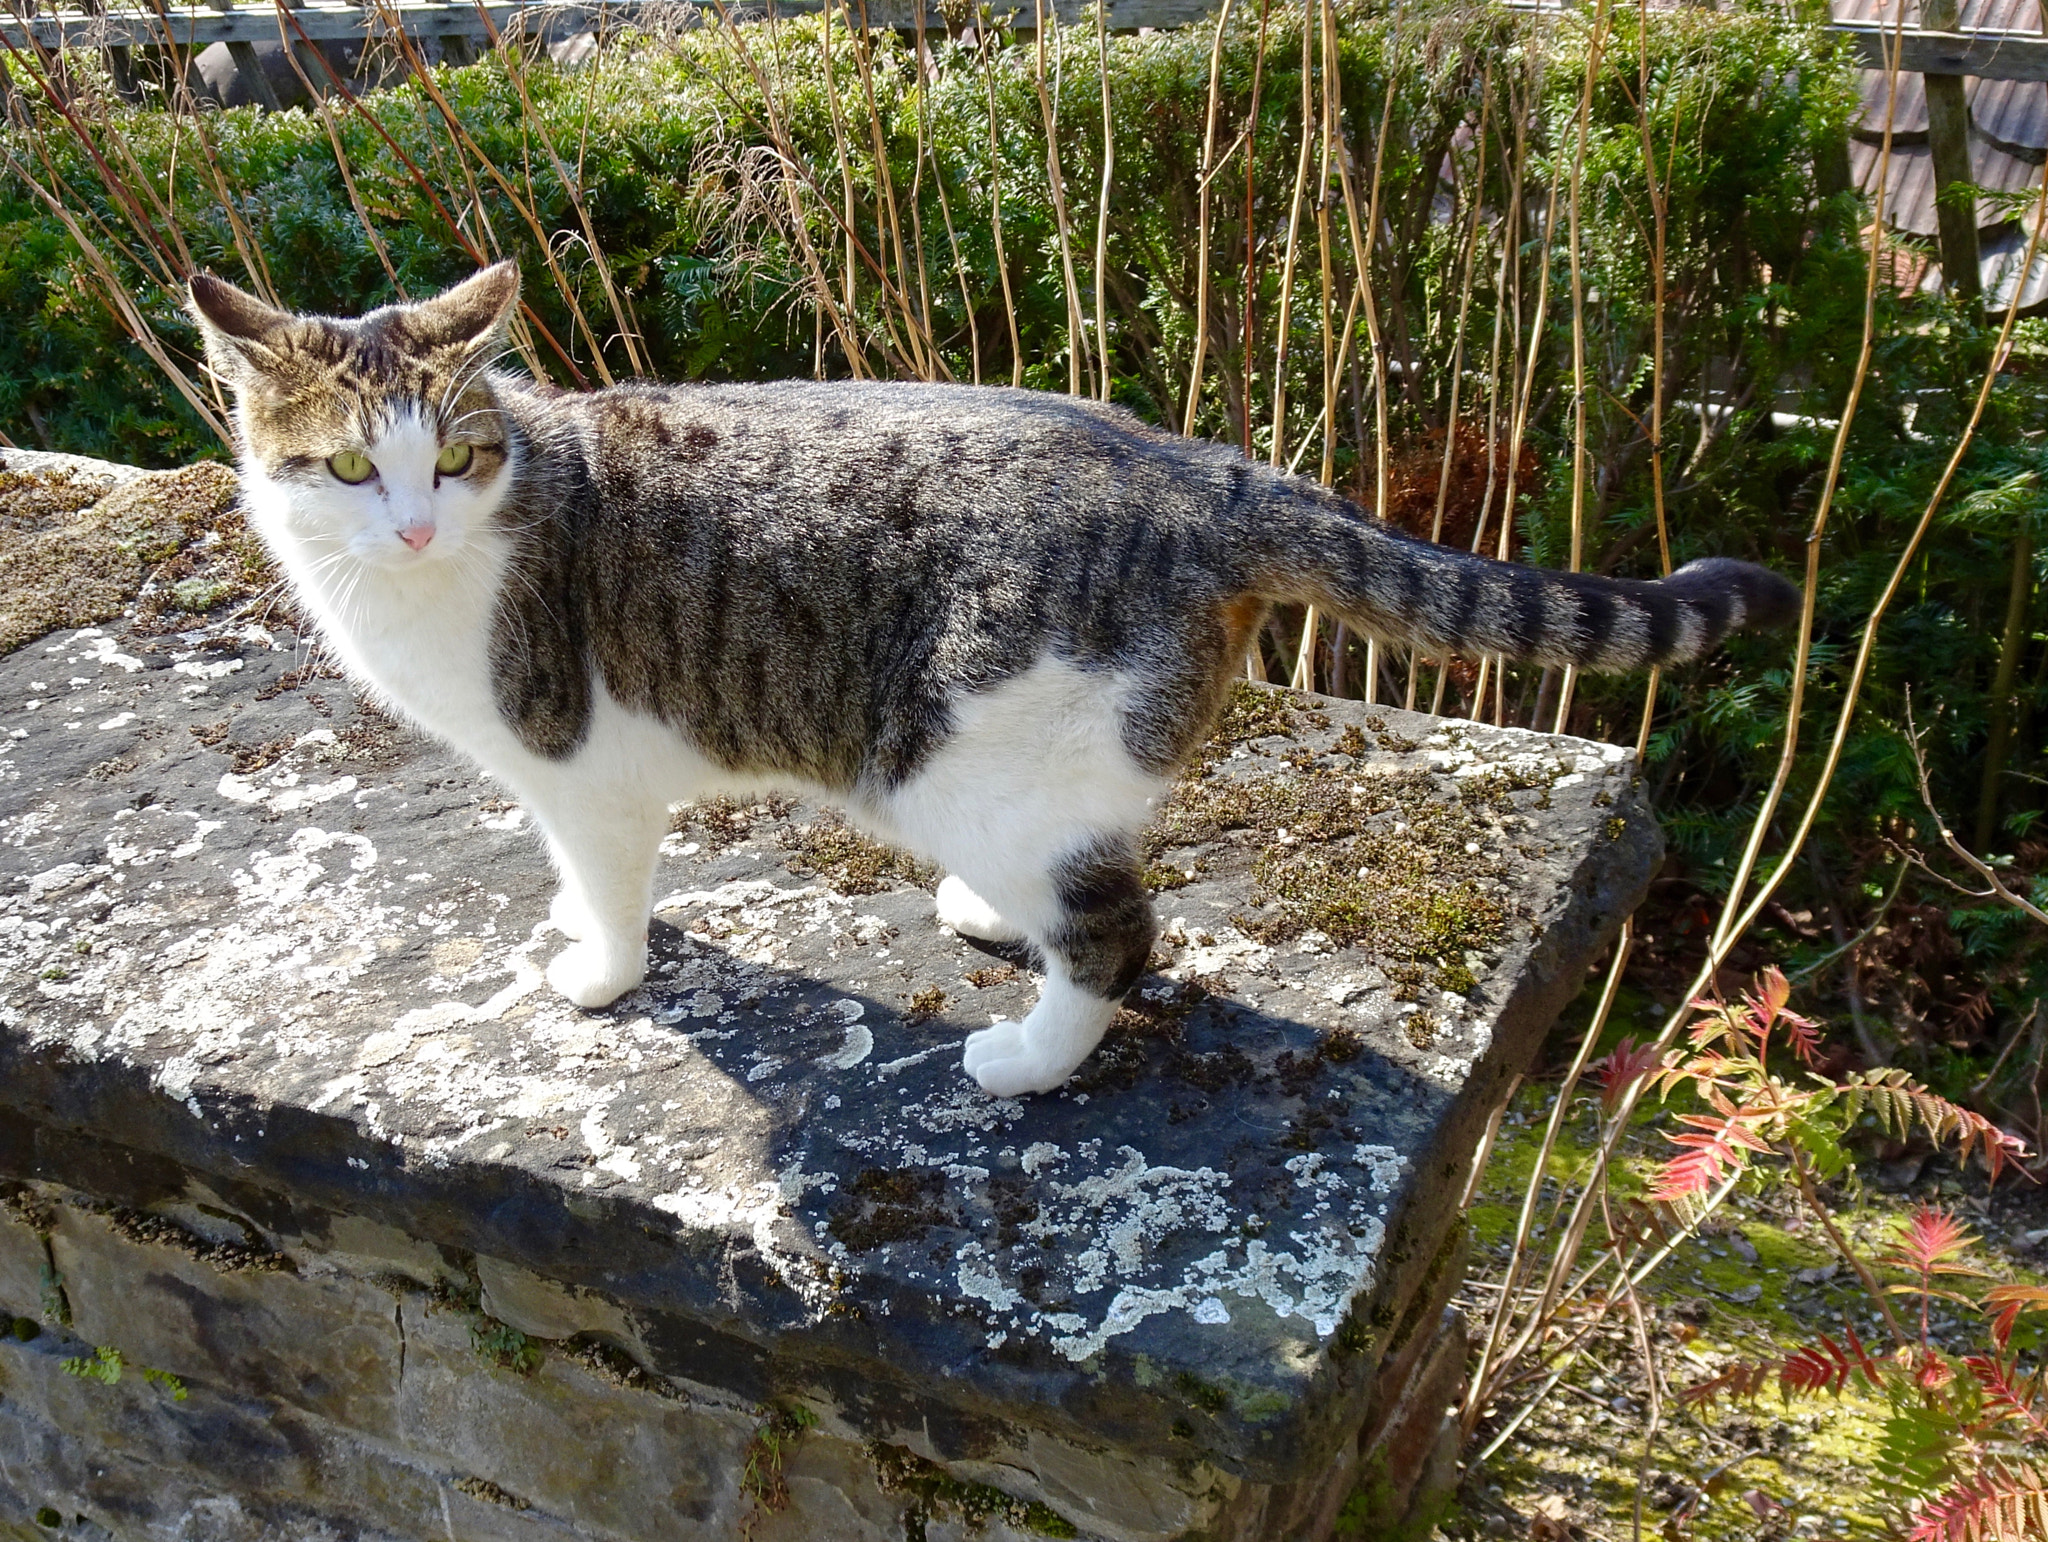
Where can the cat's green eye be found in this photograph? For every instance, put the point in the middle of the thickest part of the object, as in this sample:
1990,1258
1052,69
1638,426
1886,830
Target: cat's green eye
453,460
351,466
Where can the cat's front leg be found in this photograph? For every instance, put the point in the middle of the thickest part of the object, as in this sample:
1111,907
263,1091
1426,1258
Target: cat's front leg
605,846
569,912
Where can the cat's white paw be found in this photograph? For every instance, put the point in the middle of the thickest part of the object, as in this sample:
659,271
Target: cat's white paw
592,975
567,915
972,916
1001,1059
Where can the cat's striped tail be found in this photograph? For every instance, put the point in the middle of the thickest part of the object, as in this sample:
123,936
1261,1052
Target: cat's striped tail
1318,549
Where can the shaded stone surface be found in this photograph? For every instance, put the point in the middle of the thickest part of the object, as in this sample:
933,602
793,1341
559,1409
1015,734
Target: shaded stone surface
292,1116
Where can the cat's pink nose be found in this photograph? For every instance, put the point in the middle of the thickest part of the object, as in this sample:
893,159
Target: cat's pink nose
417,536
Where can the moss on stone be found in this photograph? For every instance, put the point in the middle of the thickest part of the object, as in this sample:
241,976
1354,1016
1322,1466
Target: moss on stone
884,1205
1376,860
1198,1392
1160,877
718,824
936,1495
1388,739
1253,713
848,861
77,555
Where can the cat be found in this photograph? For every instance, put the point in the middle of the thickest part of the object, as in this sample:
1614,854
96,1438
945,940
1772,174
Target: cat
990,624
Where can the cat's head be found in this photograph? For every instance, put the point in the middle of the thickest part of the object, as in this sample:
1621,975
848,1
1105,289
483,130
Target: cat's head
380,438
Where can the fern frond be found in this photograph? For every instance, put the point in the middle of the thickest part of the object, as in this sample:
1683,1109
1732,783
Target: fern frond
2011,1300
1899,1101
2000,1504
1745,1378
1881,1093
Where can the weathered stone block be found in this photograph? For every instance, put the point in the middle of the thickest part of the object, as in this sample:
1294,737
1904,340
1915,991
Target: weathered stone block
232,1317
270,982
22,1270
566,1440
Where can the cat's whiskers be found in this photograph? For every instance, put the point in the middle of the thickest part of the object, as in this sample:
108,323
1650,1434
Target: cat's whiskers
464,378
455,425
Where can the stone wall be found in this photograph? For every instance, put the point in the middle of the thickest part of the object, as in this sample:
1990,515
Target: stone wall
324,1219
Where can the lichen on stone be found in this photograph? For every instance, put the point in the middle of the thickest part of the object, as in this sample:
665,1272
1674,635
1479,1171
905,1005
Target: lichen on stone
226,1257
484,1490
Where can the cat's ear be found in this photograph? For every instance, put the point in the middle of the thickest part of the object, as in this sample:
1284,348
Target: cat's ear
473,315
244,337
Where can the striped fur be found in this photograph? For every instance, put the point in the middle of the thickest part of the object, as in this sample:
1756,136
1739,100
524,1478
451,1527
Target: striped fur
1327,552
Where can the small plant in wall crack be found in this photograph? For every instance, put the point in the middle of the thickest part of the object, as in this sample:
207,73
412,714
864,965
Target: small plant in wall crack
504,1346
778,1432
105,1365
494,1342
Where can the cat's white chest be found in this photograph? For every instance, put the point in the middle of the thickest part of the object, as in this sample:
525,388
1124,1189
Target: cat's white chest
422,642
430,654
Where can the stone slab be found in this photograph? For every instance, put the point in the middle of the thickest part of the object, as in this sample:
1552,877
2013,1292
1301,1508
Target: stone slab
268,959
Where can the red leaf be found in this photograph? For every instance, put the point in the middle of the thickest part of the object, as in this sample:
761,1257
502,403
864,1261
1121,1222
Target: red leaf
1928,1242
1815,1368
2011,1300
1745,1378
1999,1501
1804,1036
1934,1372
1629,1064
1774,990
1707,1156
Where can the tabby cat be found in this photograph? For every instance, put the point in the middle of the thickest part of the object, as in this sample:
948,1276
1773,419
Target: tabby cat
989,624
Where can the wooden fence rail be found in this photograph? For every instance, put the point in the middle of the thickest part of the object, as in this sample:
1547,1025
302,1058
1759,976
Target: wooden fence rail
1988,54
190,26
1941,55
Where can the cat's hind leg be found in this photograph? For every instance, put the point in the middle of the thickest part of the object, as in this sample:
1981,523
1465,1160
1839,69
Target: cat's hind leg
1096,933
1034,804
972,916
